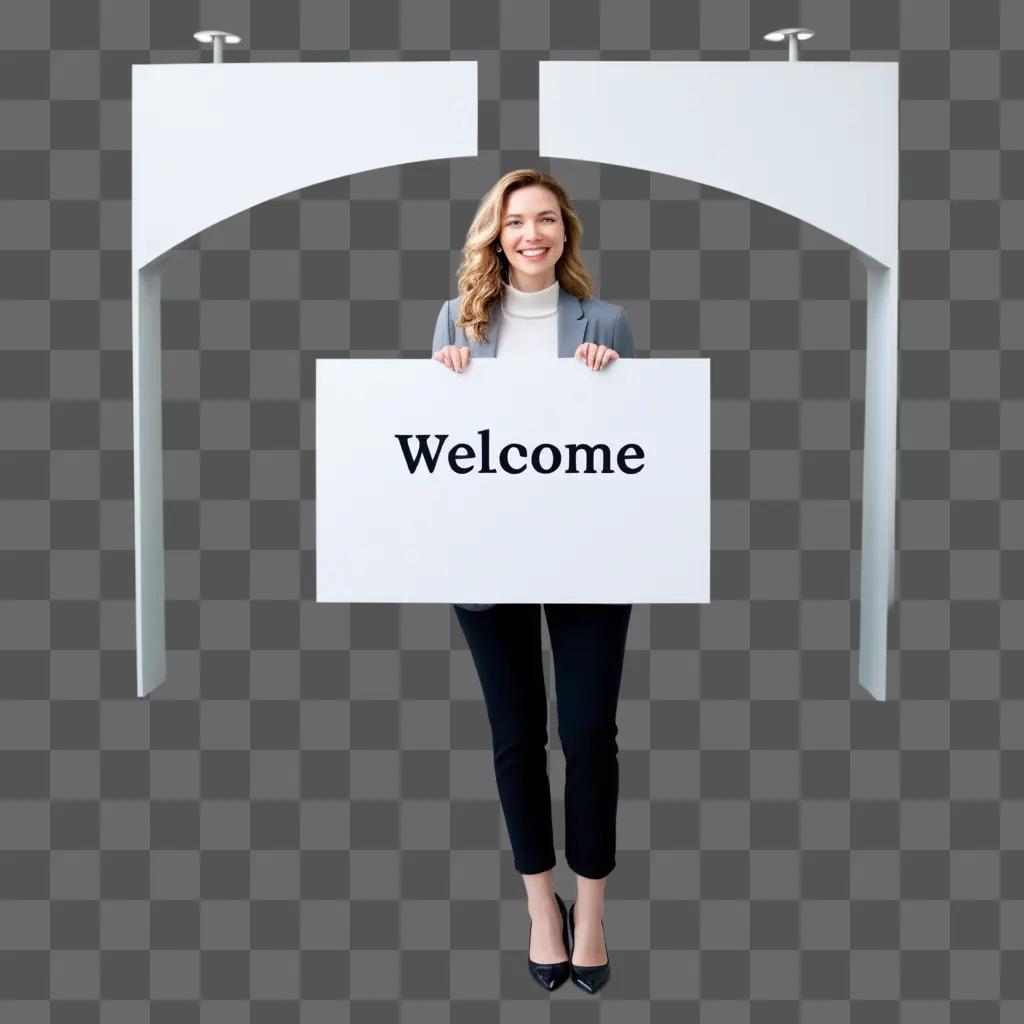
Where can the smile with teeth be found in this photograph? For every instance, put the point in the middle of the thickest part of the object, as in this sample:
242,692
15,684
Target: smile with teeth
532,253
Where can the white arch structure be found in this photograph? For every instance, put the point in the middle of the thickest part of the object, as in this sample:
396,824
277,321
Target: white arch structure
815,139
212,140
818,140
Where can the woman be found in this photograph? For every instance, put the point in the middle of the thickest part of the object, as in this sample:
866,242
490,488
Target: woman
525,293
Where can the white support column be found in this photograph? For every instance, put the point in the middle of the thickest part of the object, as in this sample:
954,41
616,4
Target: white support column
878,515
147,395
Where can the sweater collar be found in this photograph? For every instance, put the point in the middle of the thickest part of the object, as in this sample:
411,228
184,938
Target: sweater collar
530,304
572,325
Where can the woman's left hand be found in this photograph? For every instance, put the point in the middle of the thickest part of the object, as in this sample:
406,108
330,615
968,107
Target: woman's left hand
596,356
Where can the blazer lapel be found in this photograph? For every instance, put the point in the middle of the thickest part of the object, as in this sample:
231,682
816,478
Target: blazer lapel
571,323
493,330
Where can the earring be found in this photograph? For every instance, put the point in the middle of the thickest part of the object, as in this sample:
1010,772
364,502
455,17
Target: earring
499,248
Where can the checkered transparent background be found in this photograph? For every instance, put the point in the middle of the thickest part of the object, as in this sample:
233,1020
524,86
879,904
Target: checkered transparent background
302,823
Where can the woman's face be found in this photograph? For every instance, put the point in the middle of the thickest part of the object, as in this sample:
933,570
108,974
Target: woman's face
532,237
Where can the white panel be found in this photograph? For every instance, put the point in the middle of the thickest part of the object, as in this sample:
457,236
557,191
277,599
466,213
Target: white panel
816,139
211,140
386,534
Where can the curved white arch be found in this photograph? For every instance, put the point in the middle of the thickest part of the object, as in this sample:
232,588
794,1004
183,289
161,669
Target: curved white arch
212,140
817,140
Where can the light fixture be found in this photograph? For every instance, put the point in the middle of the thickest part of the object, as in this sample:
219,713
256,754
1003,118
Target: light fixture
218,38
792,34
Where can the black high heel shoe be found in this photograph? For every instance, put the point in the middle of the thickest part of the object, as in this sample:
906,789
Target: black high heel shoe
550,976
590,979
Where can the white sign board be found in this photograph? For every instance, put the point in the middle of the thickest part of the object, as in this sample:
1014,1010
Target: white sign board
513,482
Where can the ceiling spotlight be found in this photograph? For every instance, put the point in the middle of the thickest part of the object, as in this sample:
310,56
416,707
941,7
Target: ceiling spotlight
218,38
791,34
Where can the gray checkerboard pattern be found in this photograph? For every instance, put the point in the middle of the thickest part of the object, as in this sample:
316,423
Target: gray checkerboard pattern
302,823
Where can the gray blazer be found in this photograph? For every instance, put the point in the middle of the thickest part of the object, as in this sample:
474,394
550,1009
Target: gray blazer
579,320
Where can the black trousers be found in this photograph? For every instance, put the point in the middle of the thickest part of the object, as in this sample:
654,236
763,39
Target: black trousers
588,643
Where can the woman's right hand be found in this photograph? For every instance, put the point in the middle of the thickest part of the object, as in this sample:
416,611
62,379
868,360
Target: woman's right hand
454,357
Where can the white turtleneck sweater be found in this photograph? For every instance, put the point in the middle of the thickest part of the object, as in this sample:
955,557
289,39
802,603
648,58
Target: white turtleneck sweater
529,324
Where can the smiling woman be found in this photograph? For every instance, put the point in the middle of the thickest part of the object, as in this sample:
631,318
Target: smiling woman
524,292
524,240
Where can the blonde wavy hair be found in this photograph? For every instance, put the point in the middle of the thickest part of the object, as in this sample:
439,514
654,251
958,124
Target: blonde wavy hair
484,271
